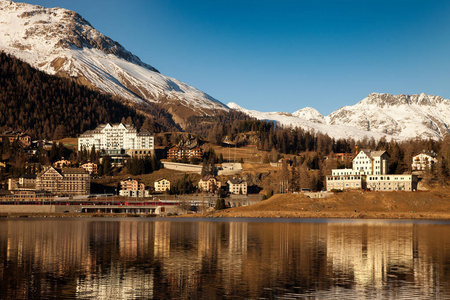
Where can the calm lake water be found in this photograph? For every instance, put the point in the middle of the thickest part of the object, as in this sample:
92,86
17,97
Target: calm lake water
223,259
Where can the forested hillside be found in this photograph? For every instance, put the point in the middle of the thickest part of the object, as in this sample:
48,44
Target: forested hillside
36,103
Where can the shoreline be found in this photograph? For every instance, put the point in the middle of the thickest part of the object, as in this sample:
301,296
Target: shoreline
235,215
430,205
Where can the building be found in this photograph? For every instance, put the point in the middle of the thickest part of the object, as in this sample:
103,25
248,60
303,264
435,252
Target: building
370,171
342,156
63,163
162,185
209,184
27,181
186,152
91,168
393,182
132,188
237,186
26,195
131,185
23,138
140,153
423,161
67,182
116,136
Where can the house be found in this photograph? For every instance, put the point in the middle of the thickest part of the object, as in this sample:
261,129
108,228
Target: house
370,171
132,188
27,181
423,161
23,138
131,185
116,136
187,152
63,163
91,168
162,185
237,186
342,156
209,184
67,182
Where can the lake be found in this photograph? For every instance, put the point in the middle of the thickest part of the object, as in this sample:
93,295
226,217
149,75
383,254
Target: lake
157,258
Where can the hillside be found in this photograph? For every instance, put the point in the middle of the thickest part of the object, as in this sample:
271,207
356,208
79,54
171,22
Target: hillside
60,42
37,103
434,204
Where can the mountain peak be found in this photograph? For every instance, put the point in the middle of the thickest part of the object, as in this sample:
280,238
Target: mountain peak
309,113
59,27
61,42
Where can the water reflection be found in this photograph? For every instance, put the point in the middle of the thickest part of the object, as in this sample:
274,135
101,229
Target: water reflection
138,259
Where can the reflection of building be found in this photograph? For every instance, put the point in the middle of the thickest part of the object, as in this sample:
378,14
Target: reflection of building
209,184
68,182
370,252
423,161
162,185
370,171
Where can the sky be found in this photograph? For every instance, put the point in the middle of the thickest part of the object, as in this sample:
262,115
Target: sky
284,55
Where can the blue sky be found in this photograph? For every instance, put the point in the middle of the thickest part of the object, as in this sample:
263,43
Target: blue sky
284,55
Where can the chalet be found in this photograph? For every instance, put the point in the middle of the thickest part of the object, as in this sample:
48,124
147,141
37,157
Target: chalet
180,152
132,188
237,186
91,168
424,160
63,163
209,184
162,185
23,138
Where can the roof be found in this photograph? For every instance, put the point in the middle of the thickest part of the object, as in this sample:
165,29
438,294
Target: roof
29,176
372,153
161,179
74,171
237,181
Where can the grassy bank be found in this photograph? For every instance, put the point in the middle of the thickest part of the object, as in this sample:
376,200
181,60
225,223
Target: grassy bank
351,204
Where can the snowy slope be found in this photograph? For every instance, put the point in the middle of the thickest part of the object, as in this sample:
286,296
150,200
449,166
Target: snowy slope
425,116
59,41
335,131
393,116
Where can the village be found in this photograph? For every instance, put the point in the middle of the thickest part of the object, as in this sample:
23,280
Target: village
207,182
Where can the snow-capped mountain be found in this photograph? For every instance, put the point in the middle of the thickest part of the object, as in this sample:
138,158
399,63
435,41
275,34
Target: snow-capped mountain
59,41
397,117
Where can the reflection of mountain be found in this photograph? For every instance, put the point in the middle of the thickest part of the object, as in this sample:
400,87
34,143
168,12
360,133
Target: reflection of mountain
173,259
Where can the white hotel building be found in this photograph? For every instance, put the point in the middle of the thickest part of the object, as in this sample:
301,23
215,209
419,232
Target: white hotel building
116,137
370,171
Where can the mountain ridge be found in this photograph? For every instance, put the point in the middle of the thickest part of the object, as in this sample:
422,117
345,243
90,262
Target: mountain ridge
59,41
397,117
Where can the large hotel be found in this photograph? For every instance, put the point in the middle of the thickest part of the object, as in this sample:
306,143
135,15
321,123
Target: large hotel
116,137
370,171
